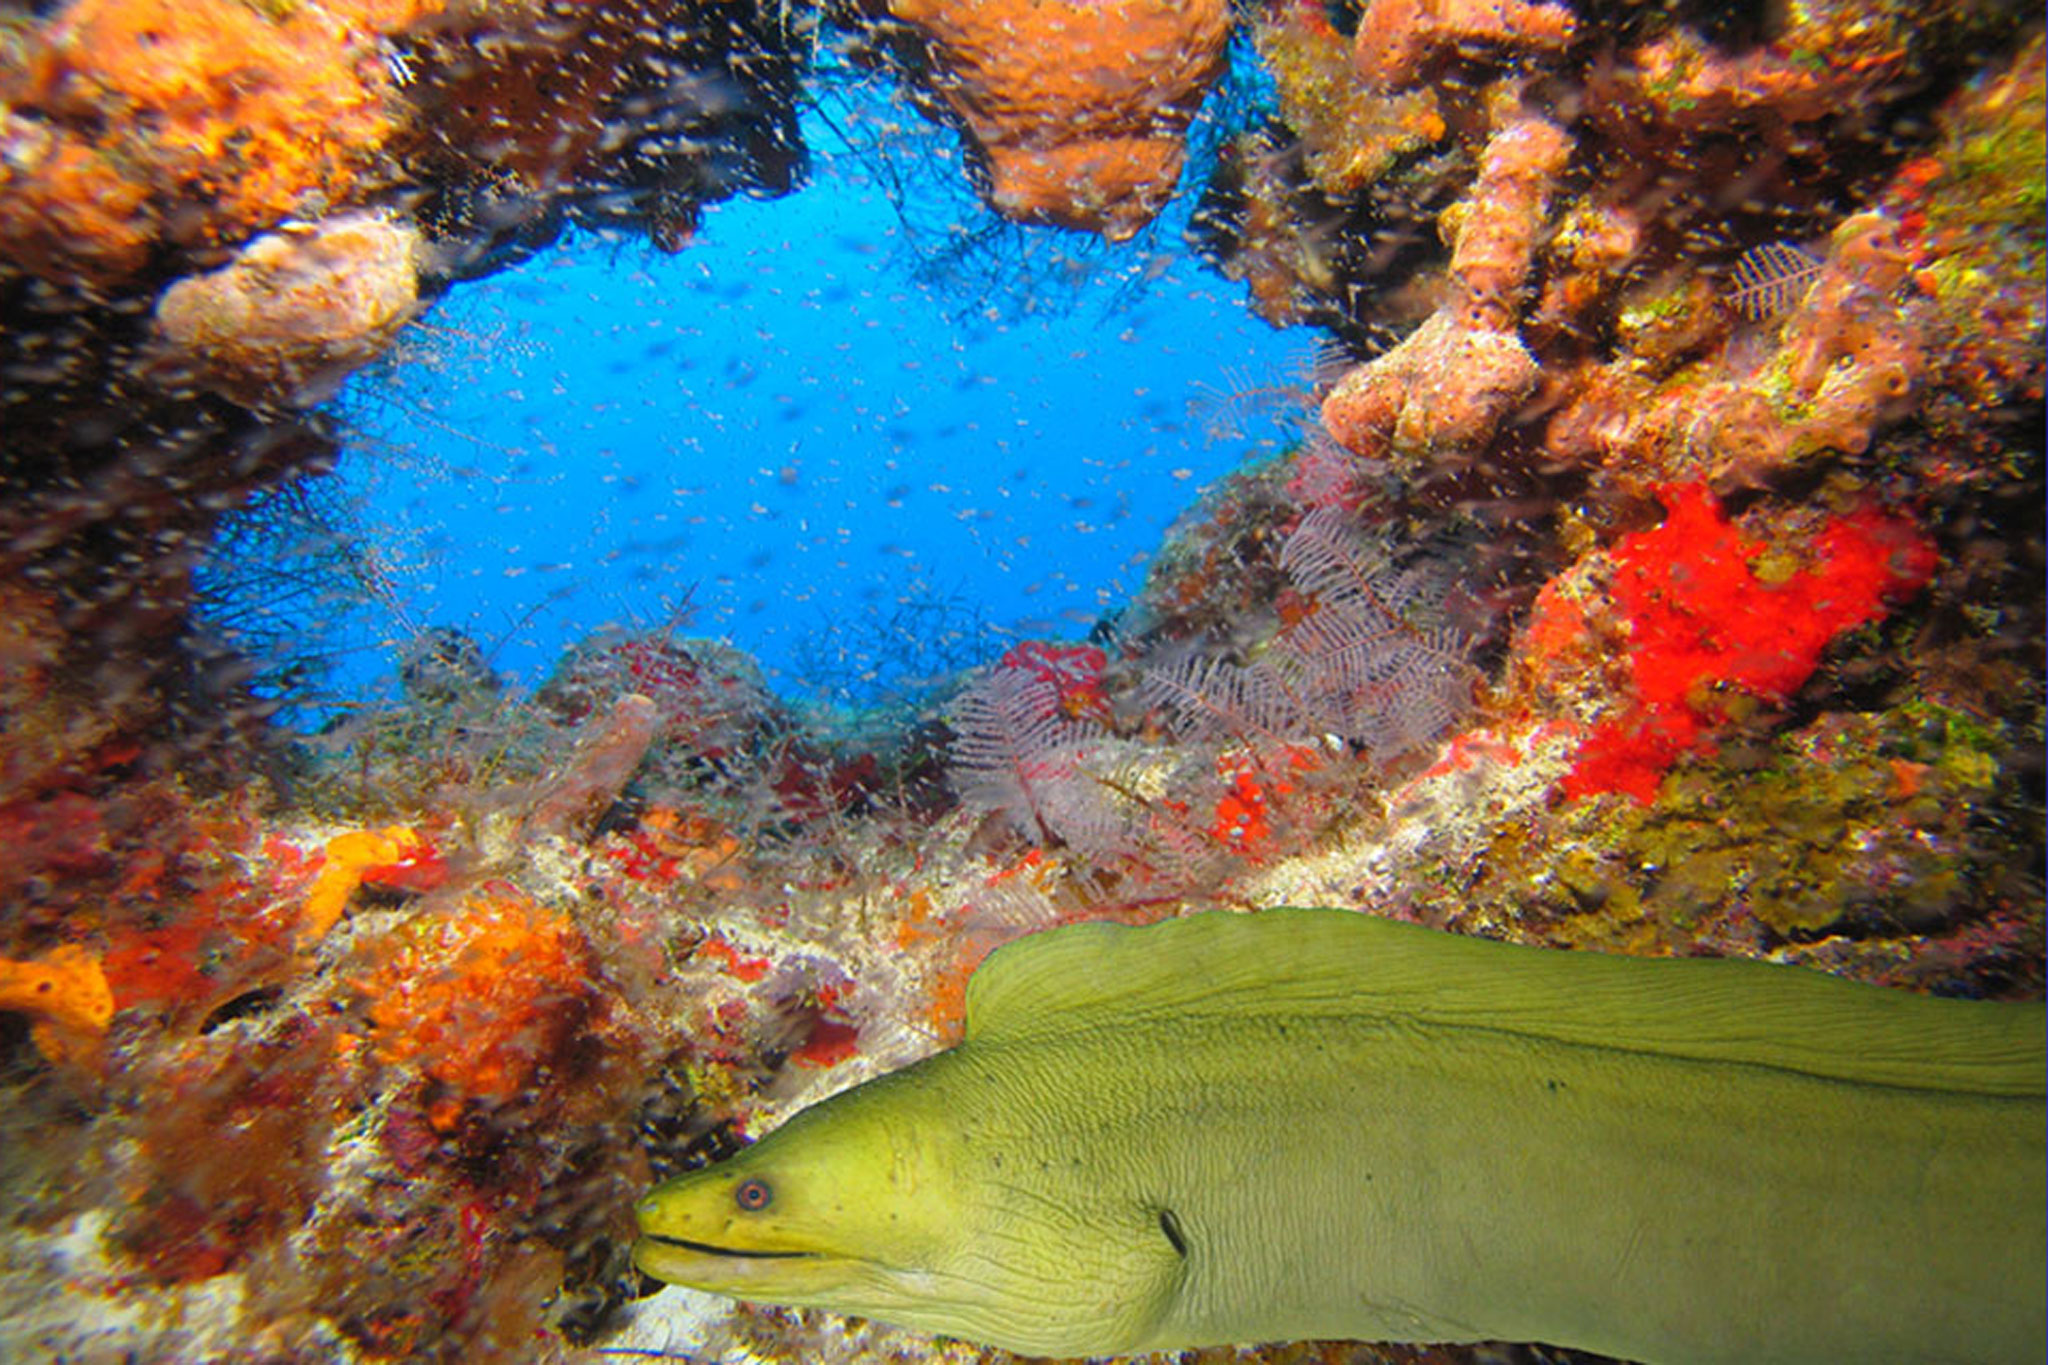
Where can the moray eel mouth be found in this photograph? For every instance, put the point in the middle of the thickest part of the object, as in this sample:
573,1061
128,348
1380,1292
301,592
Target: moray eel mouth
706,1249
740,1271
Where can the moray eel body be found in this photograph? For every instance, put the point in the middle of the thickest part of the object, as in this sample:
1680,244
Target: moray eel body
1315,1124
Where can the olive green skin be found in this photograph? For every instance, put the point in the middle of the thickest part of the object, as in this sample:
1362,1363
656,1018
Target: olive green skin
1311,1124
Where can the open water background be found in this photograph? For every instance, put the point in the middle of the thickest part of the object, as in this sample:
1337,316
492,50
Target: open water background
867,432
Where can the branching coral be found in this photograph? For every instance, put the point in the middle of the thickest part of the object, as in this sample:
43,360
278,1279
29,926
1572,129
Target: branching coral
1444,391
1360,655
1078,108
1020,752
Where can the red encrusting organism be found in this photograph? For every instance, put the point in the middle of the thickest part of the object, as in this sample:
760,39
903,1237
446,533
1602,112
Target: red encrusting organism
1244,818
1075,672
1702,623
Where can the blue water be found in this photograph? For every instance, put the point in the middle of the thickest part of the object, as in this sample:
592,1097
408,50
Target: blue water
864,441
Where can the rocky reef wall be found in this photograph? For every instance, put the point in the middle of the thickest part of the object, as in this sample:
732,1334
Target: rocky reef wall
1662,574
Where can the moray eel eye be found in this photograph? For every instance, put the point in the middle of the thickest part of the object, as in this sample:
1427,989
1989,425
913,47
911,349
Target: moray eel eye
753,1194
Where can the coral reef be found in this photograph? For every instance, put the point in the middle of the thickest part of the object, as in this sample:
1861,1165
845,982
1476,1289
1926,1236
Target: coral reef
1351,133
295,311
477,996
633,115
1661,574
1833,844
1078,109
1444,391
1396,39
135,125
131,121
211,213
1707,634
392,856
66,994
1846,362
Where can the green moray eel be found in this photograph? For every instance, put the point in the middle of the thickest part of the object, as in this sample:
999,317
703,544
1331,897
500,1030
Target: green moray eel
1309,1124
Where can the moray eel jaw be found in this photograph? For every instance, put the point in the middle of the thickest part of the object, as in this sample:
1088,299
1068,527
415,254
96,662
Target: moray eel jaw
851,1206
743,1273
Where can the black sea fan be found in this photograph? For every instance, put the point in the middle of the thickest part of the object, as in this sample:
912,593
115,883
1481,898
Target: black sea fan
1363,663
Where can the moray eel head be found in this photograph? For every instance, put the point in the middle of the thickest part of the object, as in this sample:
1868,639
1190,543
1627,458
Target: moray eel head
822,1209
876,1203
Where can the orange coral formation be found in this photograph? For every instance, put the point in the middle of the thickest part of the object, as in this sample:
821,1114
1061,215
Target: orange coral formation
480,996
295,311
1494,229
1847,361
192,119
1352,133
66,205
1590,252
1397,38
1447,386
66,995
351,857
1820,65
1079,108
